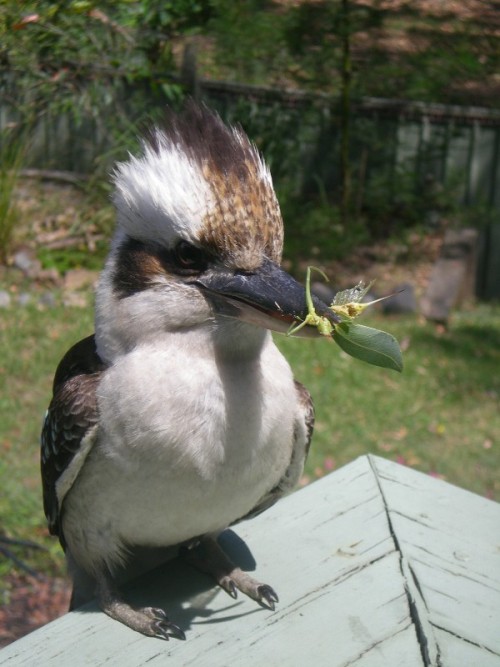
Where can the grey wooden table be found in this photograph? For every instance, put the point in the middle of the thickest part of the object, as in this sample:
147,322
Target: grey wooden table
376,565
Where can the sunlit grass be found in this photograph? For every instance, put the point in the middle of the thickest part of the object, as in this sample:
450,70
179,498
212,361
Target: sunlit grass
441,415
32,341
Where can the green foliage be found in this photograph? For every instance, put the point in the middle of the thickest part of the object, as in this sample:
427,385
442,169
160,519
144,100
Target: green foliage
398,51
478,216
63,48
249,40
445,60
313,34
364,343
369,345
107,64
12,151
313,228
156,22
391,202
63,260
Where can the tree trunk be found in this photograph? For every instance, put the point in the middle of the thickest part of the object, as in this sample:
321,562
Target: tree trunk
345,114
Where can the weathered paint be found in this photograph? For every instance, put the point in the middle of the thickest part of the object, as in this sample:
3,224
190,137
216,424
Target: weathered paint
376,565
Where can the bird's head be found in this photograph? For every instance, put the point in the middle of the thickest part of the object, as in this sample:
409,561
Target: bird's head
199,238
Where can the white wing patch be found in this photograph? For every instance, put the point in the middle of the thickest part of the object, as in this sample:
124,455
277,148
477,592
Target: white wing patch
67,478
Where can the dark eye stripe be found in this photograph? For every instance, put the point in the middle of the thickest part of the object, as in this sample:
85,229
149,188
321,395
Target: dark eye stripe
136,266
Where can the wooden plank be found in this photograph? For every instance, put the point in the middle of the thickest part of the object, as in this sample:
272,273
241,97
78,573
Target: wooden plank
450,541
328,552
373,568
454,651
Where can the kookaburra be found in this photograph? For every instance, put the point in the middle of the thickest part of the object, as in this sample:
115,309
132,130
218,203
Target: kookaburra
179,416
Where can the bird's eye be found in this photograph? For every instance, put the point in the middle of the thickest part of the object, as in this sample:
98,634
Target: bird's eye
189,257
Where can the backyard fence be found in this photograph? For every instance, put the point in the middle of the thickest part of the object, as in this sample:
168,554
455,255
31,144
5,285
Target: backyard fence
430,148
449,142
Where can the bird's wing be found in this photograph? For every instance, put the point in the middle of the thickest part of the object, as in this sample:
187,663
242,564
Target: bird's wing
307,410
70,426
303,430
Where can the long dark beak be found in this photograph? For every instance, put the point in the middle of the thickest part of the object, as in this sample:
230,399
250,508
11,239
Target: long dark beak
268,297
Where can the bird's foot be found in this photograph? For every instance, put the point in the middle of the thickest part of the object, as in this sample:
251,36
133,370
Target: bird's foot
238,580
149,621
208,557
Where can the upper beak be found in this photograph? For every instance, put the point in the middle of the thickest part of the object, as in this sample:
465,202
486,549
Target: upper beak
268,297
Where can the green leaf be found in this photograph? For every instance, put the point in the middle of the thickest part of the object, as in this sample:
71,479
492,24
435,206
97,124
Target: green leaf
370,345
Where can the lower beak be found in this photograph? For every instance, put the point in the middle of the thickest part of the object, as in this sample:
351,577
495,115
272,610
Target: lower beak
268,297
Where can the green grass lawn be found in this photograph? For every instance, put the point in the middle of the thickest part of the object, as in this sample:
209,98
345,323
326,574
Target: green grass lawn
441,415
32,341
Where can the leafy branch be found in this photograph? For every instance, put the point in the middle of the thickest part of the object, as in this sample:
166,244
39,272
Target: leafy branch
365,343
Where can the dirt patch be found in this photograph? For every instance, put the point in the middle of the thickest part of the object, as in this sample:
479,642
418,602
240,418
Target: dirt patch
29,603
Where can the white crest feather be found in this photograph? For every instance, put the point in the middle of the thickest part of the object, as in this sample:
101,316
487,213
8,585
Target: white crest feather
162,194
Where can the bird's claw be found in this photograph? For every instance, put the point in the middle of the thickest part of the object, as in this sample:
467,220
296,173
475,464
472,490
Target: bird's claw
163,628
167,629
210,558
230,587
264,594
267,596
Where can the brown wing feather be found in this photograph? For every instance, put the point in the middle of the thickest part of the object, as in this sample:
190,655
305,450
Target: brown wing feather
71,414
306,402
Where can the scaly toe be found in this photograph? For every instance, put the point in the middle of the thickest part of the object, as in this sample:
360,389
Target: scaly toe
162,627
229,586
167,629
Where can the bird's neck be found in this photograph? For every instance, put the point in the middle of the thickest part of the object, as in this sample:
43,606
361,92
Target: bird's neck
235,340
226,339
